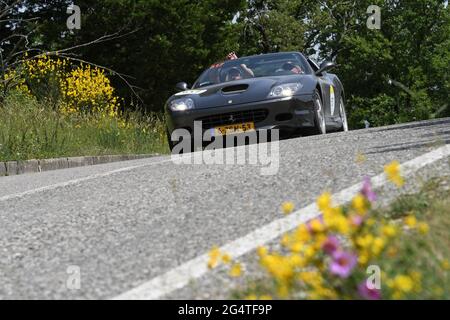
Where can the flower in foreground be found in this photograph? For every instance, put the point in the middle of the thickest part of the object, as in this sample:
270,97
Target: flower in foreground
367,190
324,201
214,256
360,204
330,245
410,221
392,171
236,270
356,220
367,293
343,263
287,207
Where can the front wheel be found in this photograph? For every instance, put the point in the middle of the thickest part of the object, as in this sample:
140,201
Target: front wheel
319,119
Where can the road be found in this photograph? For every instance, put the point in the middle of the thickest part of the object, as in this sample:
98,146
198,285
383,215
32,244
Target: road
123,224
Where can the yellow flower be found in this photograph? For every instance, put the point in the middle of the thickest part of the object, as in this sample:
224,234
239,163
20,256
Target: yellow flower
265,297
296,247
302,234
378,246
214,255
277,266
287,207
236,270
324,201
251,297
285,240
403,283
359,203
389,231
363,258
312,278
262,251
317,226
309,252
365,241
283,291
392,171
423,228
226,258
410,221
296,260
445,264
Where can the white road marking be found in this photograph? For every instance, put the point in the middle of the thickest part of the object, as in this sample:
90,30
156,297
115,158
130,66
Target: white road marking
180,276
76,181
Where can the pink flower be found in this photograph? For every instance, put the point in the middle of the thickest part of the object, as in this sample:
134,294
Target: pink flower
330,245
368,294
357,220
367,190
343,263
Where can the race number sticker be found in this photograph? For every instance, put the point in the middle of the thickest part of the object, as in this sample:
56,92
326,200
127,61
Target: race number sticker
332,100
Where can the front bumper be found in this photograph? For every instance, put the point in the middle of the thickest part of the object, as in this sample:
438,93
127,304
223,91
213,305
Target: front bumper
285,114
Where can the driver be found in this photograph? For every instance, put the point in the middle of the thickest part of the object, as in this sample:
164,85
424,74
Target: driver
234,74
292,67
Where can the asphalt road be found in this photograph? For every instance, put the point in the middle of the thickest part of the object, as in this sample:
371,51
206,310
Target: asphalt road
123,224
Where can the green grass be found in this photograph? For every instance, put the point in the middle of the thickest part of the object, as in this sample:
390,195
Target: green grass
32,130
425,253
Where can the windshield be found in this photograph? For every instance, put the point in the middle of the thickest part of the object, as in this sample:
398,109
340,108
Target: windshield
269,65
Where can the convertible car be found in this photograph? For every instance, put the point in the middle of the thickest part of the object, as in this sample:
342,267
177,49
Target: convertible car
284,91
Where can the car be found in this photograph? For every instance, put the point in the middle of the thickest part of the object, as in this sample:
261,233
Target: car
284,91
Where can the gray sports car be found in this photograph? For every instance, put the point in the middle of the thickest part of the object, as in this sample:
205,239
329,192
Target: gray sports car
284,91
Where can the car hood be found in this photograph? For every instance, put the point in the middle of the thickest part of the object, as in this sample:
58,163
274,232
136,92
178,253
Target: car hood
241,91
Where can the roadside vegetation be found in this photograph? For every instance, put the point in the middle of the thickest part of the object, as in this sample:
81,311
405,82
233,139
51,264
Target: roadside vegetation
55,108
329,257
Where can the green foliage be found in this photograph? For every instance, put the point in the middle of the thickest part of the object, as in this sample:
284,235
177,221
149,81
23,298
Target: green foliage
170,41
30,129
397,74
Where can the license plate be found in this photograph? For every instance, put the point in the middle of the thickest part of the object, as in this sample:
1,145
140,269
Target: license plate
234,128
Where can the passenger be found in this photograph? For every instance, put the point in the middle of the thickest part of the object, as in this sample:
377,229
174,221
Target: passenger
294,68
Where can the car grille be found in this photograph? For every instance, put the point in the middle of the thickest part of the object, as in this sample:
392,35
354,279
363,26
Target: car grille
212,121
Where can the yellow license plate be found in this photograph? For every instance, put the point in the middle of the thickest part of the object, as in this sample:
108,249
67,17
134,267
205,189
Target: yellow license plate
234,128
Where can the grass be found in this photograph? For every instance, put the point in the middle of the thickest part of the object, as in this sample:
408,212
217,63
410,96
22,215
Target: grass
427,253
32,130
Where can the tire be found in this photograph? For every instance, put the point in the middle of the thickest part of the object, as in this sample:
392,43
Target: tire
319,115
343,115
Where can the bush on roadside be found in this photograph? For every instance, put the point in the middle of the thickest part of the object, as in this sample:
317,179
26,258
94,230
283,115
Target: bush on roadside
29,129
52,108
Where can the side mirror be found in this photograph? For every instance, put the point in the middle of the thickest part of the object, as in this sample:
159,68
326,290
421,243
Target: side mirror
181,86
325,66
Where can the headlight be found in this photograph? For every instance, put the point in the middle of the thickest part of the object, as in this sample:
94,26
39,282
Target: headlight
181,104
285,90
